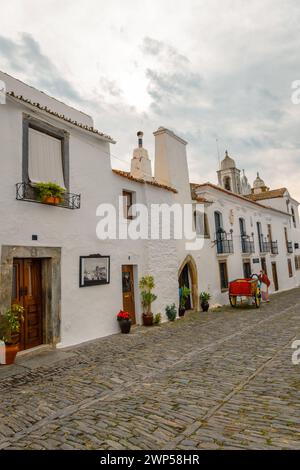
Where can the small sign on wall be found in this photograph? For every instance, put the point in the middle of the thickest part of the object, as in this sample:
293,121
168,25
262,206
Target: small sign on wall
255,261
94,270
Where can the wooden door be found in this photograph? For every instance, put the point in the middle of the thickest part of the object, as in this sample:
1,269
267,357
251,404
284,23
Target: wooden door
247,269
264,265
128,291
275,276
27,292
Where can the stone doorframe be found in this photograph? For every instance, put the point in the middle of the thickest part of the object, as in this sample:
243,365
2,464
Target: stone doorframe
189,260
51,284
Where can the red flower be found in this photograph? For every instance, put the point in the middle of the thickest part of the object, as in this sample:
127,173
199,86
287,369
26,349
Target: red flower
123,315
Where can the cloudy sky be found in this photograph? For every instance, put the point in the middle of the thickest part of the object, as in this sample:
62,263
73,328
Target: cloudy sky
207,69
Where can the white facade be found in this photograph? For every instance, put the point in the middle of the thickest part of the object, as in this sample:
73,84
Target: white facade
233,207
86,313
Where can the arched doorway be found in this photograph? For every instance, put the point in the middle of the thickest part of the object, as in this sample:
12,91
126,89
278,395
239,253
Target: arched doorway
188,276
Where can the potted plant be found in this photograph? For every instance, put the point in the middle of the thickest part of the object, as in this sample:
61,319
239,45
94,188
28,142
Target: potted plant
157,319
204,298
184,293
124,321
10,323
171,312
49,193
146,286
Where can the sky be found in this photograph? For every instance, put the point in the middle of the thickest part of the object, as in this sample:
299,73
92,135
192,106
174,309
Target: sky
216,72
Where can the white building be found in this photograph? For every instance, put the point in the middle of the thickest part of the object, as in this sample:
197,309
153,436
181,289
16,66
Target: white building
41,245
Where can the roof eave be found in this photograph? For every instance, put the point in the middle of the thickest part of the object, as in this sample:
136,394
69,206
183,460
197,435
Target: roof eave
238,196
44,110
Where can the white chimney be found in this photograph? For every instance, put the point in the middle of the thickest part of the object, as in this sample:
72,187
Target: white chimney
140,162
171,162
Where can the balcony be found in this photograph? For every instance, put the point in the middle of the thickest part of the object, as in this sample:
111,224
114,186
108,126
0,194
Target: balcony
289,247
26,192
247,244
274,248
224,242
264,245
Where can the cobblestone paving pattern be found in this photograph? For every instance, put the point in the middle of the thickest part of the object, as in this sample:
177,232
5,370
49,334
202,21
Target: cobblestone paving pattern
219,380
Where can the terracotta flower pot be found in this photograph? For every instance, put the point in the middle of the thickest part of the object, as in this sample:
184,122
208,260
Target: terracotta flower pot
148,319
125,326
49,200
10,353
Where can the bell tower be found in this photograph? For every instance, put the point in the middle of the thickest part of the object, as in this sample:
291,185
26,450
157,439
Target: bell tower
229,176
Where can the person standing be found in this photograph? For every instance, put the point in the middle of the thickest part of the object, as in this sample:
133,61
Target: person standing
265,285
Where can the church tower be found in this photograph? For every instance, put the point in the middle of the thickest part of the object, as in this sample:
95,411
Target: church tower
229,176
259,186
245,185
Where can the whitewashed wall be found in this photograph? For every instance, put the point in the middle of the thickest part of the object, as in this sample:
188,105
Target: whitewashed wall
87,313
252,214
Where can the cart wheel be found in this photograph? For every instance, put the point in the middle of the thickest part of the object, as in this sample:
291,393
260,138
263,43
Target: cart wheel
257,299
232,300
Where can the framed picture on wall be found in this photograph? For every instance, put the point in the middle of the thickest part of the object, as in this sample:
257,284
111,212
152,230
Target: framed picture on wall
94,270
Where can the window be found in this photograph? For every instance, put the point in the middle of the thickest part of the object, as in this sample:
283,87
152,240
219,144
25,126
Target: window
247,268
260,235
242,227
297,262
286,236
293,216
218,222
223,275
45,153
270,233
264,246
44,158
197,223
201,224
127,198
290,268
206,226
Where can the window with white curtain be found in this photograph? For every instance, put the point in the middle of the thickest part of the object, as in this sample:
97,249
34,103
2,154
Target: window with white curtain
201,224
45,162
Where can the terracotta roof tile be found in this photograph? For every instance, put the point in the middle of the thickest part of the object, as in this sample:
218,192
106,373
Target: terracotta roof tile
201,199
62,117
127,175
195,197
272,194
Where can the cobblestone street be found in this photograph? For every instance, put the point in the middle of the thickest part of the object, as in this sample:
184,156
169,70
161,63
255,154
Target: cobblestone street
219,380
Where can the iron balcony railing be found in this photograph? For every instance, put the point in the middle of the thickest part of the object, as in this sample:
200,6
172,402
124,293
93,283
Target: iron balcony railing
26,192
224,242
289,247
247,244
274,248
264,245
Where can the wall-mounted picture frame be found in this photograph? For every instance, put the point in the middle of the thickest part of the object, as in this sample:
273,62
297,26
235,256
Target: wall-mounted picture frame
94,270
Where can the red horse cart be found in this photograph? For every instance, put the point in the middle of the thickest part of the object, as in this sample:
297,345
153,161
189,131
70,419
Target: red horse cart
240,288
